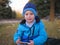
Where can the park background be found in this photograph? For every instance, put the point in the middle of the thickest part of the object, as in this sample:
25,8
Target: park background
11,15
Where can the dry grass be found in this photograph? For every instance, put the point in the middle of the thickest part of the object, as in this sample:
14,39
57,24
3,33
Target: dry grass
53,28
6,33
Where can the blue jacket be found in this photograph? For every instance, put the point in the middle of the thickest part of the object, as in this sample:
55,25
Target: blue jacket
36,33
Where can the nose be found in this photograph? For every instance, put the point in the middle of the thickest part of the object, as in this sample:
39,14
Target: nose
29,15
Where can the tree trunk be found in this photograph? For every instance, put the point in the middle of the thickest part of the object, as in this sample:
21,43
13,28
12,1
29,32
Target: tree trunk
52,10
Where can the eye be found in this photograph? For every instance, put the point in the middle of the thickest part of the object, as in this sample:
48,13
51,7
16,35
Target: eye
31,13
26,14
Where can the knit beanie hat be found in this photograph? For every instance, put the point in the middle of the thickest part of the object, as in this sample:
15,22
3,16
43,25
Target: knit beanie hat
30,7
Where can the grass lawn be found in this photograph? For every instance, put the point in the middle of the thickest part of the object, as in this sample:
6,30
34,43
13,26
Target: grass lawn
7,31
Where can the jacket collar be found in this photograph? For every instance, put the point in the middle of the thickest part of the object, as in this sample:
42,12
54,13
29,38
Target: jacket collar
30,25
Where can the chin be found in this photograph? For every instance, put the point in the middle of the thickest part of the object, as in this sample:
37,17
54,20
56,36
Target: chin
29,21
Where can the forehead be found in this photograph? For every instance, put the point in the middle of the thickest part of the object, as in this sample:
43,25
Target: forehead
28,11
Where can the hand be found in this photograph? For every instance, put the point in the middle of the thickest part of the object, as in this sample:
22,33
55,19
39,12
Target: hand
18,41
31,42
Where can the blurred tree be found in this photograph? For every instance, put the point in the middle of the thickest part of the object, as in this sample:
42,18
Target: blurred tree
4,2
43,7
52,10
5,10
57,8
14,14
19,15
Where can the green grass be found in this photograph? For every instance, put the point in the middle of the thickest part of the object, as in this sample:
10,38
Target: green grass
7,31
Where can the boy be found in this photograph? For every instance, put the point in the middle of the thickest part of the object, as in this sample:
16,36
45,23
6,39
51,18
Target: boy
31,30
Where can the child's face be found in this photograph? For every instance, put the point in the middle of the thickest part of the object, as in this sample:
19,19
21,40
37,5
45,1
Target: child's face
29,16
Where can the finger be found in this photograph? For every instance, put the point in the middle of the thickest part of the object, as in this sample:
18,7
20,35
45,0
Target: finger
21,42
31,41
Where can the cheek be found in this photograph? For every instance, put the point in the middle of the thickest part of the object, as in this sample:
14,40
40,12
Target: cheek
33,17
25,17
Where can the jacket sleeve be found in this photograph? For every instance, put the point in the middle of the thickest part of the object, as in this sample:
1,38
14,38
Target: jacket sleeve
17,34
41,39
